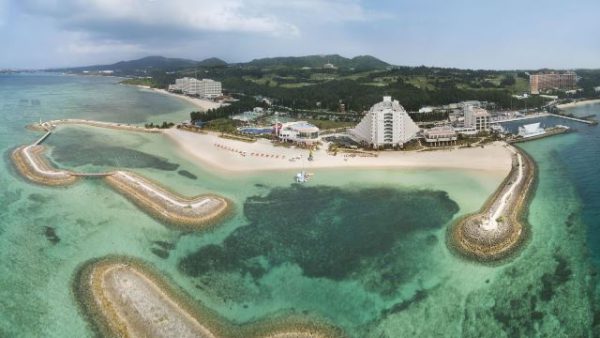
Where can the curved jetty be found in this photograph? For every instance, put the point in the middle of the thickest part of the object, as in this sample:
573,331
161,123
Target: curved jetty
126,298
187,213
30,163
49,125
498,229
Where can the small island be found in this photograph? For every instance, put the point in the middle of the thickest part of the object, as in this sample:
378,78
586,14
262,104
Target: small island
499,228
125,297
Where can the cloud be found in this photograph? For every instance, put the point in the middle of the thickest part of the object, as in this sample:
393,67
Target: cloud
126,19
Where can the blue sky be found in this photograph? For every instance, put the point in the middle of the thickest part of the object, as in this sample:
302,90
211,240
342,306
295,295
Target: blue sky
490,34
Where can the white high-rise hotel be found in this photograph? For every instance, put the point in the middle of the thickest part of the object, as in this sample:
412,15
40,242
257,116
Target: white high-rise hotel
386,124
206,88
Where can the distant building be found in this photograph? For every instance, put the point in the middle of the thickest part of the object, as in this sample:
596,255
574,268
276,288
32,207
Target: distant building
440,136
329,66
205,88
530,130
477,118
386,124
544,81
297,132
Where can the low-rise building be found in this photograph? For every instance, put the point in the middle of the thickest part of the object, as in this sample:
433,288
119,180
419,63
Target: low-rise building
477,118
298,132
386,124
440,136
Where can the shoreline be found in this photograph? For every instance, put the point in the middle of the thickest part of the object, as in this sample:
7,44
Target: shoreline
124,296
226,155
578,104
203,104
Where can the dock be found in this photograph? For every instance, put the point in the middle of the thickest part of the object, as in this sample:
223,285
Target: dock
546,114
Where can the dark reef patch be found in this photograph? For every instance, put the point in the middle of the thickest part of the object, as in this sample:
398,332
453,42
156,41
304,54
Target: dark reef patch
329,232
187,174
51,235
551,281
164,254
70,151
165,245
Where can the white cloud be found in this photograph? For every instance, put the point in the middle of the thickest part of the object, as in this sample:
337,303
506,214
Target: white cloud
181,15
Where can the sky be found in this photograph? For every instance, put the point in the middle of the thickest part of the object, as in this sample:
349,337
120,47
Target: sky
481,34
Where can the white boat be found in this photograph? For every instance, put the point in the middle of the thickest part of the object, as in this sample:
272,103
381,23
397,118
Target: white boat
303,177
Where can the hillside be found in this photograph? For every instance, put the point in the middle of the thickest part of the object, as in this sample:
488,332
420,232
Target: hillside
365,62
150,63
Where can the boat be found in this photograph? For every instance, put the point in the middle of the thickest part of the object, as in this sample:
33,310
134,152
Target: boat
303,177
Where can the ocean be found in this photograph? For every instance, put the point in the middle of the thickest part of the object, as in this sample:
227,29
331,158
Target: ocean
364,250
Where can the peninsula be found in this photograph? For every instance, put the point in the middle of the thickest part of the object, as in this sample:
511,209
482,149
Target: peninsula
125,297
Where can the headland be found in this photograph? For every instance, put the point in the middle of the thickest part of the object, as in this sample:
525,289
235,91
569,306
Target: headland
125,297
500,226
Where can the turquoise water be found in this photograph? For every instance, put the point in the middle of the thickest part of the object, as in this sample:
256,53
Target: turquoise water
364,250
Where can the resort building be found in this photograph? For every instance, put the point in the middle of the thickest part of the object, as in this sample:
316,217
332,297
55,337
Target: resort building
544,81
385,124
440,136
205,88
477,118
530,130
300,132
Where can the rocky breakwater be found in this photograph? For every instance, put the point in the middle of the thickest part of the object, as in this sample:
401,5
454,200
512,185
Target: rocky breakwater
179,211
501,226
30,163
126,298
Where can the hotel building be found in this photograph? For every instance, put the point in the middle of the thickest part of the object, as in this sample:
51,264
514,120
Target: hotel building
544,81
386,124
205,88
477,118
298,132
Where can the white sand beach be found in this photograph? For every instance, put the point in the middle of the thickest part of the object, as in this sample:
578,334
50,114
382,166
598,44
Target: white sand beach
577,104
237,156
204,105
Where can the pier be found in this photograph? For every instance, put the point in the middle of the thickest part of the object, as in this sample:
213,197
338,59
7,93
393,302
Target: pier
545,114
43,138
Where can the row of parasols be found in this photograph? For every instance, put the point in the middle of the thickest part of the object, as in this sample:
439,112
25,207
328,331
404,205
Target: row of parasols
244,153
